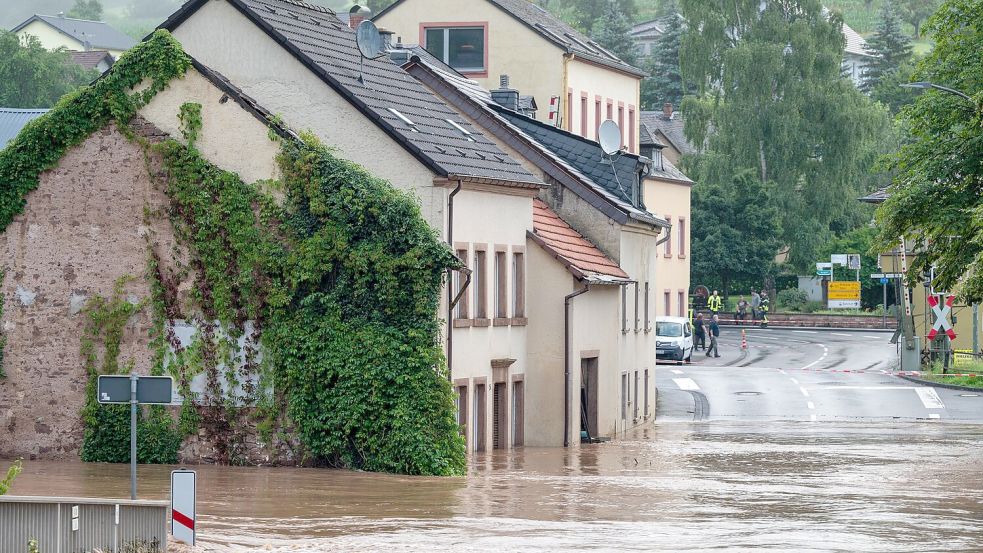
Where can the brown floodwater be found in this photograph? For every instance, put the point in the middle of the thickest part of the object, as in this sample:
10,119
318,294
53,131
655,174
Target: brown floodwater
771,486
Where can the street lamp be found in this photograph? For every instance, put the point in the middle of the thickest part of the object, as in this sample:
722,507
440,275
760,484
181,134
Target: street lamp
926,85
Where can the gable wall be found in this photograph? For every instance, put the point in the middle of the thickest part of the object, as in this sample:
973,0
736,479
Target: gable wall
50,37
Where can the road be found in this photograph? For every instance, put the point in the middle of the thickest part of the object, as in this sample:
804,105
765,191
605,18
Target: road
811,375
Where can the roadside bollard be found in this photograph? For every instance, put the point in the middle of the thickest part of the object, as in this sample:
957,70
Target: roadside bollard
743,339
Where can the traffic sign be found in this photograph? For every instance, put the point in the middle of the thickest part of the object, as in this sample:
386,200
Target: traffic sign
154,390
941,317
843,294
886,275
885,280
824,269
183,503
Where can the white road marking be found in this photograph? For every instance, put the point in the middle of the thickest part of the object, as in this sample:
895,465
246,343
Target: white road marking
839,334
812,417
677,371
811,405
804,391
867,388
686,384
782,371
934,416
806,331
796,382
930,398
825,353
872,337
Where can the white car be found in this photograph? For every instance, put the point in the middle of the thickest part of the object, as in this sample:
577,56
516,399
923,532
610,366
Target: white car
673,339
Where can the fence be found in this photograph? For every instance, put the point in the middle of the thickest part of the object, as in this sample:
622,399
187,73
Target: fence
79,525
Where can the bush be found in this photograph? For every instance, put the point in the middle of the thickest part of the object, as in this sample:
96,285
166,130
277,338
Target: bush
813,306
791,299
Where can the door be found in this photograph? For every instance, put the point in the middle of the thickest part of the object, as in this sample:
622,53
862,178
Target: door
479,417
588,396
500,423
687,340
518,409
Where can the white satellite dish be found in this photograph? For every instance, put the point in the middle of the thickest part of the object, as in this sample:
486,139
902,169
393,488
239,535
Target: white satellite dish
369,40
609,135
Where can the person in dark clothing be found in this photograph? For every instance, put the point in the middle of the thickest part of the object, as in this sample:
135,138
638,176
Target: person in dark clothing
699,333
714,334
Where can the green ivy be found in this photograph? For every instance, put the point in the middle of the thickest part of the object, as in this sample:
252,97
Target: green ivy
3,337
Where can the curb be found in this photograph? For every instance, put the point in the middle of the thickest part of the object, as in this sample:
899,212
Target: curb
831,328
939,384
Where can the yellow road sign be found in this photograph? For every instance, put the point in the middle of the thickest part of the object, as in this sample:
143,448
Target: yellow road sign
844,290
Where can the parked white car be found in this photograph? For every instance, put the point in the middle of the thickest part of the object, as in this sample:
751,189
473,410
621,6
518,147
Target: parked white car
673,339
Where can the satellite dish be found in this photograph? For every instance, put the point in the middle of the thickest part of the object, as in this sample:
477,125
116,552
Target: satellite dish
609,135
369,40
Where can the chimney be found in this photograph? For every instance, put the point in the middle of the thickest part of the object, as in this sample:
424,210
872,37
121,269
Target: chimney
357,14
505,96
667,110
387,38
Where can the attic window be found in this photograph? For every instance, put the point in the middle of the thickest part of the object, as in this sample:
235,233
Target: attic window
555,36
462,48
462,152
271,9
404,119
465,132
579,42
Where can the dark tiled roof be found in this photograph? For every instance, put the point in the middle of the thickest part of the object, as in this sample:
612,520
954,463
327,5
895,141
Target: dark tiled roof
556,31
876,197
97,33
92,58
320,41
579,256
578,156
652,28
671,128
13,120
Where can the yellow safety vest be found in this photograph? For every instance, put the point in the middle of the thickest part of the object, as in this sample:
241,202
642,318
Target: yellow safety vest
714,303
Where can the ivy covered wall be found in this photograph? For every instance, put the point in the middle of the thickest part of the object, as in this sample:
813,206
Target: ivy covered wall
314,297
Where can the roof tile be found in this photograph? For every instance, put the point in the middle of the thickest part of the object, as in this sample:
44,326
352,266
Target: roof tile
579,255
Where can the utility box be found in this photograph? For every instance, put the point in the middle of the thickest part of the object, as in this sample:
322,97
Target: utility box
911,353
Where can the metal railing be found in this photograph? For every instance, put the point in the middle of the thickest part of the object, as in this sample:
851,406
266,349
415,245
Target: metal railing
70,524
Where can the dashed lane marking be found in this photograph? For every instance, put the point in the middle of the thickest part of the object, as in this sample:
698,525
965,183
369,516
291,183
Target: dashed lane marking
872,337
782,371
804,391
825,353
811,405
794,381
686,384
839,334
806,331
677,371
934,416
930,398
812,417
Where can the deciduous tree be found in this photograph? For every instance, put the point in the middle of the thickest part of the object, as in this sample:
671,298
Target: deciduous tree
33,77
86,9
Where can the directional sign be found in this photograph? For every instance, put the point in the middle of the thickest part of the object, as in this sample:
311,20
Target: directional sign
183,503
113,388
844,290
941,317
886,275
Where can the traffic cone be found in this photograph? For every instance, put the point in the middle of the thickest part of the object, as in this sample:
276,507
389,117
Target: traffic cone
743,339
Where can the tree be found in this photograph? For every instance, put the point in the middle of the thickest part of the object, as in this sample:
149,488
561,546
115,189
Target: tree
736,230
916,11
859,240
888,90
664,83
86,9
613,32
936,199
889,46
771,97
33,77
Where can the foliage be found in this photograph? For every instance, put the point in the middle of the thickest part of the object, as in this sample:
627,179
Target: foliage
889,47
771,98
916,11
3,337
791,299
107,427
613,31
936,199
44,140
355,341
735,230
33,77
86,9
889,92
151,8
665,83
12,473
860,240
584,15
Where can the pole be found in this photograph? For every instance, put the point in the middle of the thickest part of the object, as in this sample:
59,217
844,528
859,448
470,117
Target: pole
884,306
976,329
133,436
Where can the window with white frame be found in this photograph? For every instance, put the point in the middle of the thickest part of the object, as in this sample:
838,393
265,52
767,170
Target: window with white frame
462,48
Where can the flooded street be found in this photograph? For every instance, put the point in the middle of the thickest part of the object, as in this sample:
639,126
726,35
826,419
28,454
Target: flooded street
780,486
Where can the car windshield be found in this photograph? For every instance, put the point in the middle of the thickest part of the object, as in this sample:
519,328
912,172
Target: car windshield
668,329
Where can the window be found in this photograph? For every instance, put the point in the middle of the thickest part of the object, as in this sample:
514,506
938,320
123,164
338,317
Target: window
668,242
682,237
610,110
462,304
631,129
648,327
479,417
667,309
518,285
645,413
568,124
462,48
624,309
636,307
635,405
624,396
597,117
480,286
621,123
681,298
583,115
462,409
667,329
501,285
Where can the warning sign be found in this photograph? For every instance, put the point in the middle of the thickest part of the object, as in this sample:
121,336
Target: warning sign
844,294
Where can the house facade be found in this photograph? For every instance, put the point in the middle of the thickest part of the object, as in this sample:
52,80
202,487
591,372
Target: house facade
594,250
80,35
301,62
544,57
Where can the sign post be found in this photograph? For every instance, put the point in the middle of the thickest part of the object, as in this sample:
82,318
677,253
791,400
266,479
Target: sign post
183,505
885,278
134,389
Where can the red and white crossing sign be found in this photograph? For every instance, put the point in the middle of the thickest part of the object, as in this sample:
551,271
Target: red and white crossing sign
183,489
941,317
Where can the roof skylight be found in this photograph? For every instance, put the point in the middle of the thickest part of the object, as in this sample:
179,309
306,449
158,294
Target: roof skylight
404,119
465,132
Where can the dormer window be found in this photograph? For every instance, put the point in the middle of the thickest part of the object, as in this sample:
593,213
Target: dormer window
462,48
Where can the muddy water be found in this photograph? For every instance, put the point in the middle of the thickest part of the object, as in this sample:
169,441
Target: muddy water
674,487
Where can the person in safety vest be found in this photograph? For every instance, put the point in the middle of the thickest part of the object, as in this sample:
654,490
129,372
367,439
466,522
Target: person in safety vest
765,305
714,303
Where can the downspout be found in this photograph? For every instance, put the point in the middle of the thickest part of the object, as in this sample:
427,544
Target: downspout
566,361
661,241
451,299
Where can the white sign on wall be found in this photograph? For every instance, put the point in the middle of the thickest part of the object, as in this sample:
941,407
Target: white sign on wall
183,489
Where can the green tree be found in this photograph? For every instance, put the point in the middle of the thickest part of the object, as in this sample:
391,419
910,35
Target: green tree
665,83
936,199
888,90
613,32
585,15
12,473
859,240
889,46
916,11
86,9
736,230
33,77
771,97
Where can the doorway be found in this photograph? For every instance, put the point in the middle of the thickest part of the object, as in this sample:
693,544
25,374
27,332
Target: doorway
500,422
588,399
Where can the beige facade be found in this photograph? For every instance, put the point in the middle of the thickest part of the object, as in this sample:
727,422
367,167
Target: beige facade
536,66
671,200
51,38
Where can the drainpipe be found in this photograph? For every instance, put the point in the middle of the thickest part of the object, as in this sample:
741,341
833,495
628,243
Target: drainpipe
451,299
566,361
